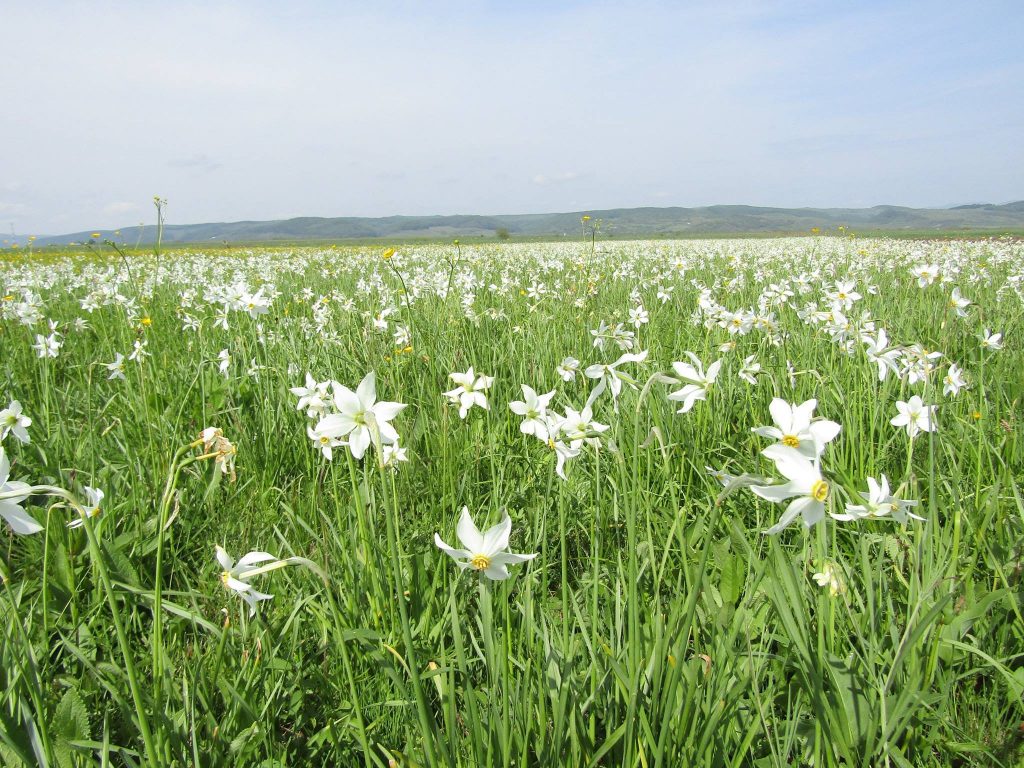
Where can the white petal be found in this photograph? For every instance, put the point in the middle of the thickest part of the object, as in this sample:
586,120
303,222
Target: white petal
468,533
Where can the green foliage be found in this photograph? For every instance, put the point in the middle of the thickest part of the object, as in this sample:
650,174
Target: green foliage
658,625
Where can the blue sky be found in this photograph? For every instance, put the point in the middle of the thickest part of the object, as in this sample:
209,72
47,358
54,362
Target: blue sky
249,110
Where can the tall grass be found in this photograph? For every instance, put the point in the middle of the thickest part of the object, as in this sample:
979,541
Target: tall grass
657,627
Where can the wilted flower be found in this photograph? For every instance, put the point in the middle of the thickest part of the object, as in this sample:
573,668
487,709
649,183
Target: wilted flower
222,450
829,577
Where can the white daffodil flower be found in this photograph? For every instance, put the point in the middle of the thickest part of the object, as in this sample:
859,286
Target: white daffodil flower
878,351
879,503
360,416
611,377
484,552
805,483
326,443
989,340
533,408
92,509
568,368
10,507
14,422
234,575
915,416
699,381
471,391
795,427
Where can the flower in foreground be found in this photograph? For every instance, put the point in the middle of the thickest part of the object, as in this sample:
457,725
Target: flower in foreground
879,503
795,427
359,416
805,483
484,552
915,416
15,494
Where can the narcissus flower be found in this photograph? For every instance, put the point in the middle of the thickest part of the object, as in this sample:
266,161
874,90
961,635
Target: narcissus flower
471,391
879,503
14,422
92,509
360,417
534,410
795,427
14,494
699,381
484,552
805,483
915,416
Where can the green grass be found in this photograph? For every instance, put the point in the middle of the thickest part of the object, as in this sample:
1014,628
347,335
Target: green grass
658,625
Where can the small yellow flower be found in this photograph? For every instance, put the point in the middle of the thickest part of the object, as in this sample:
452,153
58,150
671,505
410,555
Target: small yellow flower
389,253
95,235
147,321
976,415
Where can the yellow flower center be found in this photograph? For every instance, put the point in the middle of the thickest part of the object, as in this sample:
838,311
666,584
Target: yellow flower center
224,576
480,562
819,491
791,440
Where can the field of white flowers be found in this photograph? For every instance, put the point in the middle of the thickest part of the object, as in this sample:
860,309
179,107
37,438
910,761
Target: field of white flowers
697,503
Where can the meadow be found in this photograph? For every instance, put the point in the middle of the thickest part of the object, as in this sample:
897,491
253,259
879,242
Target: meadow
674,503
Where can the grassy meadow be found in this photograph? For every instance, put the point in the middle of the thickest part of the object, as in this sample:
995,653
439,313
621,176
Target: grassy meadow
657,625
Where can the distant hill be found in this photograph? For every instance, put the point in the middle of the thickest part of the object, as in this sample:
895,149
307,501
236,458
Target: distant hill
619,222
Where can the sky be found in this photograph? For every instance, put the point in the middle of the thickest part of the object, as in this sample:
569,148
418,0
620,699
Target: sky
257,110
